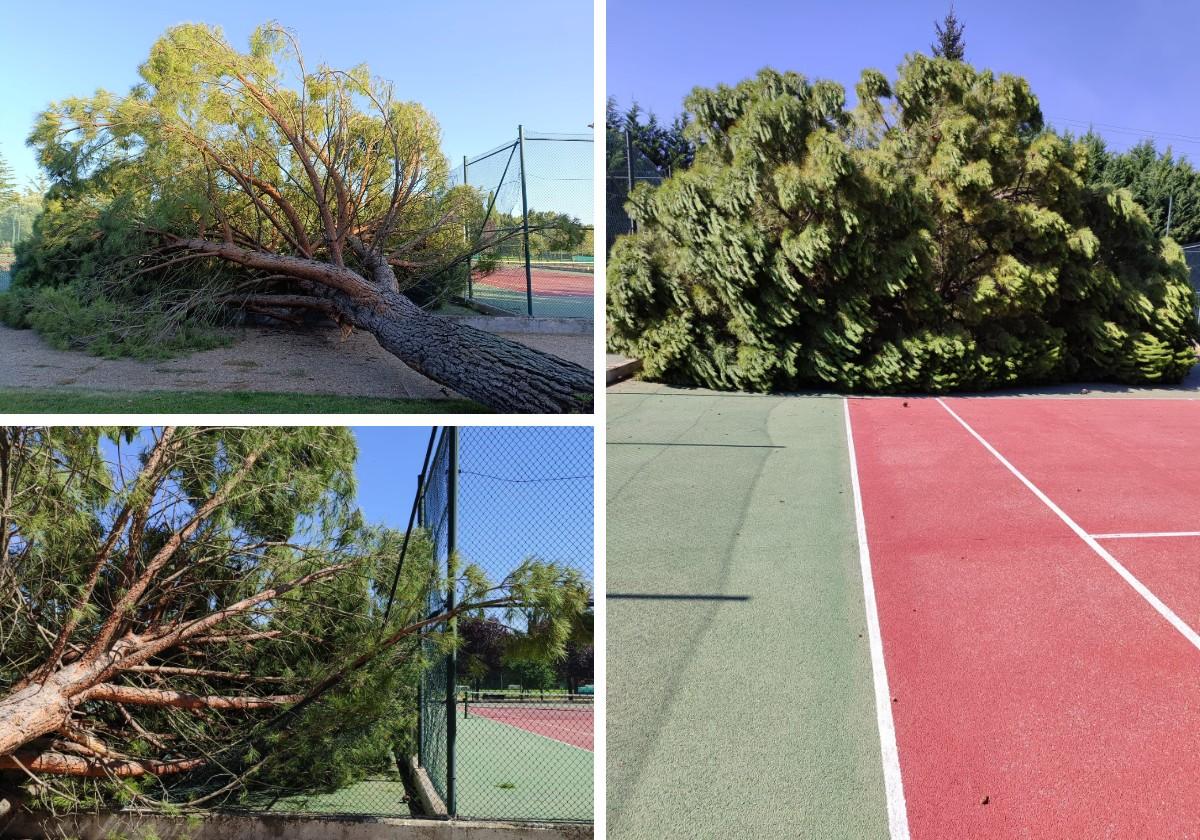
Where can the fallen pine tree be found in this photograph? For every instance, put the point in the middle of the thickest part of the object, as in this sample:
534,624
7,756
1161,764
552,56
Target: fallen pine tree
938,236
249,180
207,606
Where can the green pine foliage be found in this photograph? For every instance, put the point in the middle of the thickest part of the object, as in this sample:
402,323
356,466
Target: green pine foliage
936,237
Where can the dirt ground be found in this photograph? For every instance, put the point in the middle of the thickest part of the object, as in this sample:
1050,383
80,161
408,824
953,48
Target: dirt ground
260,359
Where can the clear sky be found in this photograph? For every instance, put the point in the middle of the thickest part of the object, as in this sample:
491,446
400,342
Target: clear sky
523,491
1128,68
481,67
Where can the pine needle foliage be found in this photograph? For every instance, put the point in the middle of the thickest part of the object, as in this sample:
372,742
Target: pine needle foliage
936,237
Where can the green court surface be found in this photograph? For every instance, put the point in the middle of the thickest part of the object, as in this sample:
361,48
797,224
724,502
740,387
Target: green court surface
544,306
383,797
506,773
740,697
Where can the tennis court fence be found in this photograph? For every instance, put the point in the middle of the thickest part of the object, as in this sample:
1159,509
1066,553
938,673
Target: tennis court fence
1191,253
532,235
627,166
504,734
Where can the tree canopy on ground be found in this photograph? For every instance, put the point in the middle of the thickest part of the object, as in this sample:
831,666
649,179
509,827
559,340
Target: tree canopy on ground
252,180
196,612
936,237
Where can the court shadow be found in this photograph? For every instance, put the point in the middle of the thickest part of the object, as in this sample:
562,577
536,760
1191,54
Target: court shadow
659,596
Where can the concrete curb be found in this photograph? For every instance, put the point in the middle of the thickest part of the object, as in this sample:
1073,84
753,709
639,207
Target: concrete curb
518,324
498,320
431,802
619,368
133,826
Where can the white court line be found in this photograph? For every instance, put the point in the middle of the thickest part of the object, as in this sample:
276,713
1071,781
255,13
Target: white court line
894,787
1139,587
1135,535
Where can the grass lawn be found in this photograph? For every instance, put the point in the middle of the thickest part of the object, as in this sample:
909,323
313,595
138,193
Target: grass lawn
66,401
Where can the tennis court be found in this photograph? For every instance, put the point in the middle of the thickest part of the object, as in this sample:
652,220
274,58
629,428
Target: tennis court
525,759
1003,645
561,289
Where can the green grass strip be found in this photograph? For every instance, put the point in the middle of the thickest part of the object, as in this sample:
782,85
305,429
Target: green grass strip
69,401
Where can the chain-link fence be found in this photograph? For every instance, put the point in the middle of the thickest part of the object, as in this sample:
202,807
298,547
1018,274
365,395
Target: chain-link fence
534,229
627,167
435,495
499,729
1191,253
511,735
6,261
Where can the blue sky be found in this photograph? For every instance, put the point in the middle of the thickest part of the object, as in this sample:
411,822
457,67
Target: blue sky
480,67
1128,68
524,491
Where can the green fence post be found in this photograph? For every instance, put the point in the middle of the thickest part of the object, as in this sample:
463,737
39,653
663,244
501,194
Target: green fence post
421,681
452,657
525,225
629,175
467,234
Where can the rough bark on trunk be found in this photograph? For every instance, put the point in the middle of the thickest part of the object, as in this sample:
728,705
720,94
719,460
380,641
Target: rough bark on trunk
39,708
501,374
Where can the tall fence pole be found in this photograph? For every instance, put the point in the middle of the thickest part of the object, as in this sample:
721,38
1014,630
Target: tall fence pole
452,657
421,681
525,225
629,174
467,236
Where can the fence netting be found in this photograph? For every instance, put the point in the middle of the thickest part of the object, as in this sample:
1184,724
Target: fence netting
519,733
627,166
533,231
1191,253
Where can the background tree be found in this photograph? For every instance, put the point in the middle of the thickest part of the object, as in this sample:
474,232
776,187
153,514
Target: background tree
8,184
936,238
949,42
1158,182
317,190
481,649
657,152
17,217
578,667
199,611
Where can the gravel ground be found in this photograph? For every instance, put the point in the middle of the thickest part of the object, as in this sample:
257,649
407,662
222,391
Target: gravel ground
260,359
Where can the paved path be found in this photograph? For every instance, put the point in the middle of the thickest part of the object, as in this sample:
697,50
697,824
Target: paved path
261,359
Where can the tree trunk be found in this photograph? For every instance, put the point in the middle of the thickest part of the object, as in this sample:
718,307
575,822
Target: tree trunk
503,375
33,711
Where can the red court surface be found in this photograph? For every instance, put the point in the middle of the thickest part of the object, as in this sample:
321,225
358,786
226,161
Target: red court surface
1044,679
545,281
570,726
